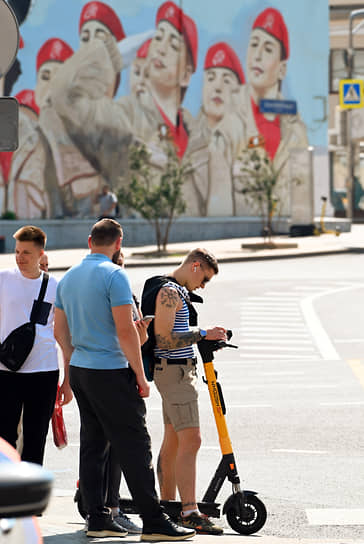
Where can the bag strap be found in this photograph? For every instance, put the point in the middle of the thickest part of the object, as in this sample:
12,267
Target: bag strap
42,292
43,287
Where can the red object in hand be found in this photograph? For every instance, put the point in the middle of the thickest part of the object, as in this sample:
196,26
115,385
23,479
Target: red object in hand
58,426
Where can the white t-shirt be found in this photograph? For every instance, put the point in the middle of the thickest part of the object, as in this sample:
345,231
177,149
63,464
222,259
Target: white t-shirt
17,294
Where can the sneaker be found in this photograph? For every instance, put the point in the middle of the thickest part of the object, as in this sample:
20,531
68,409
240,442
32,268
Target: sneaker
201,524
126,523
102,525
163,529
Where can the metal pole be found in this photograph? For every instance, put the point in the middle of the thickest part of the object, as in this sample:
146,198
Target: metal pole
350,146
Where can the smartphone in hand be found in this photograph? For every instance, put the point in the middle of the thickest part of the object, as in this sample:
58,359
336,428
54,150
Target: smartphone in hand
148,318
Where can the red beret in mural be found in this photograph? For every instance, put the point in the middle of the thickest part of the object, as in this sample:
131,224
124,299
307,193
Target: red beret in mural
98,11
221,55
26,98
142,52
271,20
183,23
54,49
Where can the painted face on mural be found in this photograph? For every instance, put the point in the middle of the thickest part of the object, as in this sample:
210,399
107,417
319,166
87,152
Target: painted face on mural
44,77
92,30
138,76
168,57
264,65
219,87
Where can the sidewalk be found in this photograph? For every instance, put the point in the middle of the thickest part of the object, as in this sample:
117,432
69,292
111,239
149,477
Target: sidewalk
61,524
225,250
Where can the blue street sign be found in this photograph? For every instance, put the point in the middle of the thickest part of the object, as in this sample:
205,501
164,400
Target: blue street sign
288,107
351,93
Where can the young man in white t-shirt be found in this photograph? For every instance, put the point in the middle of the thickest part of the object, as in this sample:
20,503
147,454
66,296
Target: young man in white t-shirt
32,389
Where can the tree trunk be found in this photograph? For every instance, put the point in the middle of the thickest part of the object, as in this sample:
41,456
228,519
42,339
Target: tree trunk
158,235
166,232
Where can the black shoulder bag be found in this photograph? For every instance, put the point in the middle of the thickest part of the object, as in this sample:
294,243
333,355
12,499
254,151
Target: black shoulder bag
19,343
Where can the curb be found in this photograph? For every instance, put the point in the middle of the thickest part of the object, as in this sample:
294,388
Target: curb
234,259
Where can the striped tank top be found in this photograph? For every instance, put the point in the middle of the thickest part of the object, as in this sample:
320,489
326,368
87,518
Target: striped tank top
181,324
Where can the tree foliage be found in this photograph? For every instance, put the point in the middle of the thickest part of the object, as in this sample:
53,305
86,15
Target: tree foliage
259,181
157,197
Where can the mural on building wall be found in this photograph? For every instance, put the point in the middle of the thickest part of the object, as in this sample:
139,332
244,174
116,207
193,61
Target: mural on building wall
108,75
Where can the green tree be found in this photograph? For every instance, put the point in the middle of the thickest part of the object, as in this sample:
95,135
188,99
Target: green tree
156,197
259,179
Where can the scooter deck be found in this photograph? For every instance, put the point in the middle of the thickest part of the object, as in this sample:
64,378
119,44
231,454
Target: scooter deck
173,508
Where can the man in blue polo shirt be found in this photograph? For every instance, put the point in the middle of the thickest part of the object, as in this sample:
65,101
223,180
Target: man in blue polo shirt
95,329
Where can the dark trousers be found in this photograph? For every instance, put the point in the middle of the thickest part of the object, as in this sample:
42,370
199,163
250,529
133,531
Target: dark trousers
35,394
113,480
113,413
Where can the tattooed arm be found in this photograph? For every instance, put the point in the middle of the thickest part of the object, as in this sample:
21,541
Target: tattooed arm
167,304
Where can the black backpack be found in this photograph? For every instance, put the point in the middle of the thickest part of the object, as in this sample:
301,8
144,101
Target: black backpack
150,291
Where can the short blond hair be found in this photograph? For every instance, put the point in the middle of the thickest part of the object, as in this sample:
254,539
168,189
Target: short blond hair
29,233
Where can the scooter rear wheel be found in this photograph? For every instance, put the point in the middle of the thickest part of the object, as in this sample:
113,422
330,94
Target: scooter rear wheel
252,517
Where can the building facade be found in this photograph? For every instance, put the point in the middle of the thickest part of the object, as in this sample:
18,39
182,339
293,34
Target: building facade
99,77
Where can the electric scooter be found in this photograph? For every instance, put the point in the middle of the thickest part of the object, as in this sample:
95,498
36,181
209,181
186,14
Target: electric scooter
245,512
322,228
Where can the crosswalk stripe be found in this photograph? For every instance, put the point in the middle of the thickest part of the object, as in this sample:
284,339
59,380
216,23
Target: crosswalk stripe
264,334
277,357
274,348
278,341
335,516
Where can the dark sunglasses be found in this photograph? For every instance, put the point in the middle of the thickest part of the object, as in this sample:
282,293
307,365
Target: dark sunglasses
206,278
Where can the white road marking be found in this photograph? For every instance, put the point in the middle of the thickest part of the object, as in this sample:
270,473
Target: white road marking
269,304
279,341
276,331
250,406
350,341
209,448
271,320
348,403
288,373
282,347
310,288
277,357
313,323
309,452
320,336
286,385
335,516
265,310
272,295
276,334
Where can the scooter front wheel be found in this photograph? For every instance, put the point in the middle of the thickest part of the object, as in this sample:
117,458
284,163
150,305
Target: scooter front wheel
251,517
80,506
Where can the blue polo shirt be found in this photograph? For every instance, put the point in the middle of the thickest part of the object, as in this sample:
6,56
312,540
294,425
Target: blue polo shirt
87,293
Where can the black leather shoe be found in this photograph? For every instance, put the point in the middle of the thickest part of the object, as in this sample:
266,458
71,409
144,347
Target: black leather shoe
102,525
163,529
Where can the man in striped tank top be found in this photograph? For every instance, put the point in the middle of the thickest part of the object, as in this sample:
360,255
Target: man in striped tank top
176,379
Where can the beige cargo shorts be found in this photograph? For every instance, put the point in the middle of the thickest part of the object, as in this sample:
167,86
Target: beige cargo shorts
177,385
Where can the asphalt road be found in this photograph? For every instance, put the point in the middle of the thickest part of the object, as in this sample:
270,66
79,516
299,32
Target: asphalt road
293,390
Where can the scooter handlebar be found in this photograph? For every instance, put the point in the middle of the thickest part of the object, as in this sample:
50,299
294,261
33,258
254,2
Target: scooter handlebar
207,347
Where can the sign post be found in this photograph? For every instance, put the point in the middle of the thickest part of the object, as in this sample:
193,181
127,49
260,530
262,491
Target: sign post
9,43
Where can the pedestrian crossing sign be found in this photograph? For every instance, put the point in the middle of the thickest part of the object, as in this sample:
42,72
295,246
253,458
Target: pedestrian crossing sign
351,93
